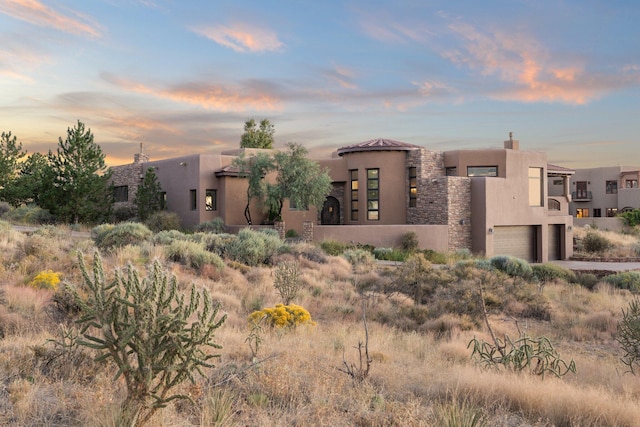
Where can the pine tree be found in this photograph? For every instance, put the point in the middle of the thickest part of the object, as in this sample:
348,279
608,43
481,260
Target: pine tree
147,198
10,154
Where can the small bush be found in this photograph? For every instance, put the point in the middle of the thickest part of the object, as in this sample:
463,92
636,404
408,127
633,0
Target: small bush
627,280
216,225
629,335
435,257
193,254
549,272
358,257
283,316
514,267
109,236
4,208
409,241
594,242
588,280
291,234
163,220
123,213
29,215
390,254
254,247
287,280
310,252
46,280
333,248
166,237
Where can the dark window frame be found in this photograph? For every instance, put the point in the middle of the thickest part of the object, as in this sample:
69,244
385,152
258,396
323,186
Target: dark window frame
611,187
193,199
353,188
121,193
373,194
477,171
211,200
413,187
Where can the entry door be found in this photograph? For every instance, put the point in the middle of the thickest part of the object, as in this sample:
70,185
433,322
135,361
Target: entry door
330,212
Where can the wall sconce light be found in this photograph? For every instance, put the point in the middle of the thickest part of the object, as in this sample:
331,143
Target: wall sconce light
491,231
569,228
183,164
434,181
462,222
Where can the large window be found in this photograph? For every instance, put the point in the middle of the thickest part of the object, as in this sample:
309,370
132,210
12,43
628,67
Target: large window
413,188
612,212
482,171
193,200
582,213
211,200
373,194
121,193
353,174
612,187
535,187
451,171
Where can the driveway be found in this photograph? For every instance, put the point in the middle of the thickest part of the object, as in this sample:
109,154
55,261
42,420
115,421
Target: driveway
598,265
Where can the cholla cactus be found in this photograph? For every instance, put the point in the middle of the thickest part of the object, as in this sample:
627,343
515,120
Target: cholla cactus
144,327
283,316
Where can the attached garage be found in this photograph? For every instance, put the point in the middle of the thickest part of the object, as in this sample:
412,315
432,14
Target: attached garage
555,241
518,241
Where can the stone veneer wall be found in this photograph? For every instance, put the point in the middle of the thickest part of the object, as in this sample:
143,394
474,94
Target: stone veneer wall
130,175
441,199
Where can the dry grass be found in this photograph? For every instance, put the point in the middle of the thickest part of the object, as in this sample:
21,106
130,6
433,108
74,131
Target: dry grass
416,373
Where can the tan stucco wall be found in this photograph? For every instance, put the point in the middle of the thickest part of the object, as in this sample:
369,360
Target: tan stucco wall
434,237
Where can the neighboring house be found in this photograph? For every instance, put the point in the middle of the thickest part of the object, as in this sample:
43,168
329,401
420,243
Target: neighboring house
492,201
603,193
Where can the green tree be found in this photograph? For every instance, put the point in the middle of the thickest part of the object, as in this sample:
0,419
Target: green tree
257,137
297,178
79,189
157,337
10,154
147,198
30,181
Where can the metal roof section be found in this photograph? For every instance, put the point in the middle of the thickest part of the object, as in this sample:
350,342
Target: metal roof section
379,144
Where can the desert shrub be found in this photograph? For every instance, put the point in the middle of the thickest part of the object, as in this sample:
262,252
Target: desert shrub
192,254
163,220
216,225
514,267
36,245
254,247
309,251
282,316
287,280
216,243
166,237
153,353
594,242
291,234
389,254
409,241
358,257
435,257
631,218
50,232
587,280
549,272
4,208
459,414
333,248
29,215
45,280
626,280
414,278
629,334
123,213
110,236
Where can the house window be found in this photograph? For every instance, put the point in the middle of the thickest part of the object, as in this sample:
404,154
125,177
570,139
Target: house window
293,206
413,188
631,183
163,200
482,171
581,190
121,193
535,187
373,194
451,171
193,200
557,182
582,213
353,174
612,212
612,187
597,213
211,200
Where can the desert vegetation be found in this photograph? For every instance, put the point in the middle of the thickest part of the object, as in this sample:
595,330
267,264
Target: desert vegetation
169,328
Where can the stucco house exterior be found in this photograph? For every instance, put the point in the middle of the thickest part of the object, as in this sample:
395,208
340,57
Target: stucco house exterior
599,194
490,201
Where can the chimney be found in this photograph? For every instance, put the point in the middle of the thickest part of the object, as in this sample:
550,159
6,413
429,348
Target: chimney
140,157
512,144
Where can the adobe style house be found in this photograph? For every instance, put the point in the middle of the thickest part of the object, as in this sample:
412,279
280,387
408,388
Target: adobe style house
603,193
491,201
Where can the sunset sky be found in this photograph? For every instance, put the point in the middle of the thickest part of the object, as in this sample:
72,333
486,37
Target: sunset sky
182,76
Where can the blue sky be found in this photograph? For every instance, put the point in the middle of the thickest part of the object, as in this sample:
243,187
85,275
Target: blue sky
181,77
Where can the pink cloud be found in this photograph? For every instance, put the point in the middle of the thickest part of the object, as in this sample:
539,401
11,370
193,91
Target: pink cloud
36,13
242,37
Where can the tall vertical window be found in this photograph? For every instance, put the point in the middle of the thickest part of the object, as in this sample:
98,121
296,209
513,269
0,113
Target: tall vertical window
373,194
353,175
535,186
121,193
210,200
193,200
612,187
163,200
413,188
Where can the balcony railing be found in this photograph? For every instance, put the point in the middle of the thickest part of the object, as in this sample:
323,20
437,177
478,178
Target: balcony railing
553,204
581,196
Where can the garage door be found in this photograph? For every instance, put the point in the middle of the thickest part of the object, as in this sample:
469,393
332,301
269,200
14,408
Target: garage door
517,241
555,252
